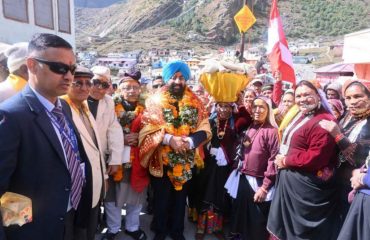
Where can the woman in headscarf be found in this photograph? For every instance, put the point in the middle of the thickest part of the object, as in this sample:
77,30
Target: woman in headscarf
249,96
225,122
353,138
336,107
213,203
305,201
286,103
251,184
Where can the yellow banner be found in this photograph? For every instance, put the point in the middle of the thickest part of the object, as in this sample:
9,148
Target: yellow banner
244,19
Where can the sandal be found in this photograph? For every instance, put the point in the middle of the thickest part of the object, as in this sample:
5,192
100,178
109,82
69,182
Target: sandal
137,235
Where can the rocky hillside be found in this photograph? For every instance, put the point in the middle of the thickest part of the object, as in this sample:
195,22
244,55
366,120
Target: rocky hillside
144,24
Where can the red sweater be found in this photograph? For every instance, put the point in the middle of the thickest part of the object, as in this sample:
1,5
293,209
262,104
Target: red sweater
312,148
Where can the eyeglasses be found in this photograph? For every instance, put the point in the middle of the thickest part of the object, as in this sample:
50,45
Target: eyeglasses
135,88
100,84
157,86
79,84
58,67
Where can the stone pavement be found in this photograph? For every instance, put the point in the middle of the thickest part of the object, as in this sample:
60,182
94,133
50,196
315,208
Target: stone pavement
145,220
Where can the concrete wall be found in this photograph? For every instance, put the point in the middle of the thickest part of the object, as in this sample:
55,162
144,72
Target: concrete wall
12,31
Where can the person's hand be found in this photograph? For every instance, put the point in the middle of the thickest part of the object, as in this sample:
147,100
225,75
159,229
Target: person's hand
260,195
356,179
132,139
177,144
331,127
280,161
112,169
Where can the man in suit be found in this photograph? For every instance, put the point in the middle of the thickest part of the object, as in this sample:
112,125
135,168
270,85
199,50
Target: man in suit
41,153
110,131
86,125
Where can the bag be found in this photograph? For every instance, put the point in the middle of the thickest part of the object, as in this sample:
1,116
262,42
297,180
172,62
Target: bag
15,209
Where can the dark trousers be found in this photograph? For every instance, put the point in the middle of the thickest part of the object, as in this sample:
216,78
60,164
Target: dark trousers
73,232
69,225
169,208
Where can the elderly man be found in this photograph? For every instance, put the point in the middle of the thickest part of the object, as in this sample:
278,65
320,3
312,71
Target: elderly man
130,185
41,153
86,125
101,106
175,124
16,63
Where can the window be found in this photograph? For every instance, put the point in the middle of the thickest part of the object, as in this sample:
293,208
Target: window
44,13
64,16
16,10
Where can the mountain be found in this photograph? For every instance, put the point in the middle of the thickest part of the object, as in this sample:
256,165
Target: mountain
204,24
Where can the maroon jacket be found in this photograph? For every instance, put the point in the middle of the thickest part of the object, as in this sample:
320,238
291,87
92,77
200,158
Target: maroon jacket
260,155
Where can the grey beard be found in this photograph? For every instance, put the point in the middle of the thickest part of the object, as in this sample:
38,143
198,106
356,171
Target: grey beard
310,107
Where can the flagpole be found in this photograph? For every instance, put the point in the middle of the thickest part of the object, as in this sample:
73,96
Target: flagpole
241,56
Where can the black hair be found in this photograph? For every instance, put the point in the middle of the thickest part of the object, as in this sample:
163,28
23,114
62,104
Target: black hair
307,84
42,41
364,89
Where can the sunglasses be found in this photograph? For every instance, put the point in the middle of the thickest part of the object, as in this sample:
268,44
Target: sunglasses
157,86
100,84
79,84
58,67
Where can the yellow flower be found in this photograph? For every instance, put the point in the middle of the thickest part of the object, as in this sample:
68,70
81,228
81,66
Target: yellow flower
177,170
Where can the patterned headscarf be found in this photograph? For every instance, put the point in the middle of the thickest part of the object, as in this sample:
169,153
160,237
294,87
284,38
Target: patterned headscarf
337,104
364,82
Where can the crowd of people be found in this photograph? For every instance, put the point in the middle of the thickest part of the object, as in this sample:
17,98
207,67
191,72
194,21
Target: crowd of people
252,161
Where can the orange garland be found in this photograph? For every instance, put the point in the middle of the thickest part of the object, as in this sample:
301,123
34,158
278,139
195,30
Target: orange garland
179,172
118,175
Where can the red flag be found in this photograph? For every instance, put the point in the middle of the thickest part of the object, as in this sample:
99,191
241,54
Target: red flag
279,55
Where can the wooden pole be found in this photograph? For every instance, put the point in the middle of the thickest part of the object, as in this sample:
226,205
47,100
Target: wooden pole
241,56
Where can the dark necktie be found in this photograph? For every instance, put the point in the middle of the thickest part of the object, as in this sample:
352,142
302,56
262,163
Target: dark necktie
72,157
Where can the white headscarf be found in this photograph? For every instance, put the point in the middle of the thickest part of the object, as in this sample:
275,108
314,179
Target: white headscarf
271,116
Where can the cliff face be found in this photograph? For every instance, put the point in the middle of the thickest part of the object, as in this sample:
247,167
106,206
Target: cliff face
125,18
144,24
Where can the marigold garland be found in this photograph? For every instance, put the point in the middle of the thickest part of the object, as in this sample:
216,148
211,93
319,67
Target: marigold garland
179,122
125,119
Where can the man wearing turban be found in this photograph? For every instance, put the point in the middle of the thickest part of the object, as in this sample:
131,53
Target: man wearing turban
175,125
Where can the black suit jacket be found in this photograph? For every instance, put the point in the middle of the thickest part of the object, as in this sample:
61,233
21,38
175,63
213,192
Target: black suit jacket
32,163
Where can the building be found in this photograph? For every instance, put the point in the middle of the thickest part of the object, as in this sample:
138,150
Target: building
116,62
334,72
356,51
20,19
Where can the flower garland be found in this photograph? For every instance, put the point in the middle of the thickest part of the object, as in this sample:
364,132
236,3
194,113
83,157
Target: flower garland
181,122
125,119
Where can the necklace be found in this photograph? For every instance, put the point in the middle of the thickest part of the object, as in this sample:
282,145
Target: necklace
221,134
248,141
